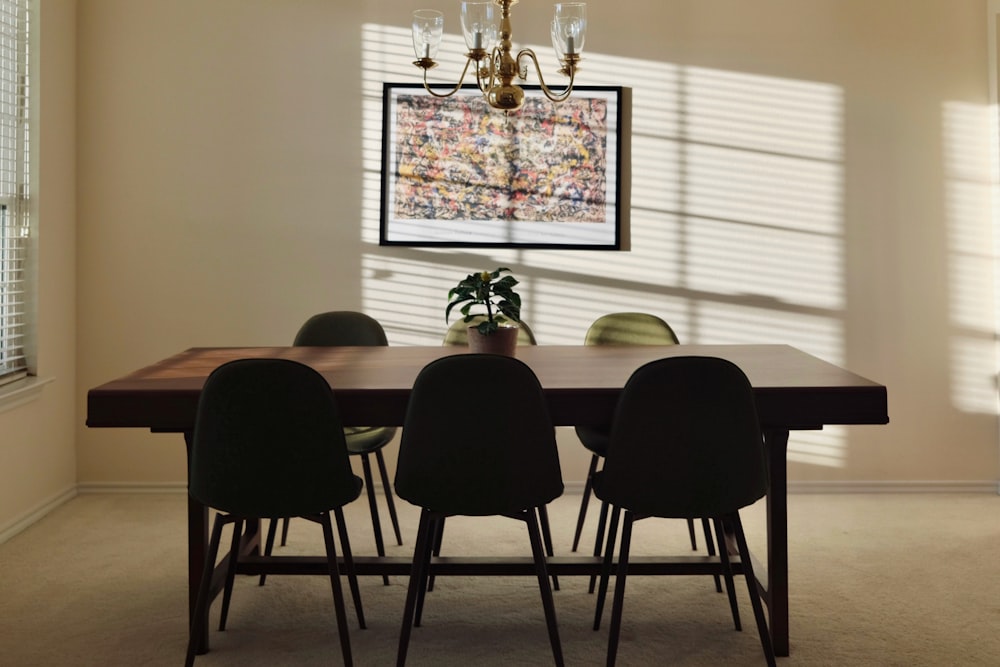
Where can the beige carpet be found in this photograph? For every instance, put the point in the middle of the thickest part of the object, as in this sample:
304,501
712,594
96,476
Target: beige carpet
875,580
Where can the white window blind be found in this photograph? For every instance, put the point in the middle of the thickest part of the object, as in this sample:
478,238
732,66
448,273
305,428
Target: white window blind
14,187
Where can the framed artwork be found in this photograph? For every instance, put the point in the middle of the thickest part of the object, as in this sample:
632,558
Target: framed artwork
457,173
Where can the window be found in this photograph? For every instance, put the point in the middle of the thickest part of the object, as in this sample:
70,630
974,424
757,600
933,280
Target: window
14,188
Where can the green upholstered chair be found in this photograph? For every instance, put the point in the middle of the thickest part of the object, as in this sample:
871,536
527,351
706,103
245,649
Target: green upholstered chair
268,443
449,464
344,327
685,442
458,332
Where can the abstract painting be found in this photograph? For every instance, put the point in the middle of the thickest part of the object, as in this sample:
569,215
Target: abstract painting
457,173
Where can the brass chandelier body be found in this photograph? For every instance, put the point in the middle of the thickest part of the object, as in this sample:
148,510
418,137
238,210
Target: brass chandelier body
497,67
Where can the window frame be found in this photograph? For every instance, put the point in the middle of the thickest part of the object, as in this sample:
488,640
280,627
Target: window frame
16,229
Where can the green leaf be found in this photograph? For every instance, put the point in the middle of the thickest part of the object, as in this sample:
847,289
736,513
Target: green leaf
487,328
495,294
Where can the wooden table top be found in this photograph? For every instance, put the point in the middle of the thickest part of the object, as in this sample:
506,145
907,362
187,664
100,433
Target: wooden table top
372,384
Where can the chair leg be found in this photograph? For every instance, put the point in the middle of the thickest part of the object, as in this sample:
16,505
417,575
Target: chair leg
438,539
338,593
269,543
421,555
548,604
694,540
758,608
352,576
581,517
619,601
234,557
609,553
284,530
543,518
602,522
710,547
384,474
727,570
373,506
426,585
202,601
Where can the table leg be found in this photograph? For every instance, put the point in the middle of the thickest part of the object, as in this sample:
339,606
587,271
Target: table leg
776,442
197,549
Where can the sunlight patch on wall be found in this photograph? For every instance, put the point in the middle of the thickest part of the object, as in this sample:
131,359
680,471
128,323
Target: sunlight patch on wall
404,294
972,261
759,261
820,448
736,218
765,114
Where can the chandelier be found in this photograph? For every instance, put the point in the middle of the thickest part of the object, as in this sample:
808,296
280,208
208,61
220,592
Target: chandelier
489,44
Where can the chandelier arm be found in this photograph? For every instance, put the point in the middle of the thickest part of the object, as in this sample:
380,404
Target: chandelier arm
491,81
457,87
554,97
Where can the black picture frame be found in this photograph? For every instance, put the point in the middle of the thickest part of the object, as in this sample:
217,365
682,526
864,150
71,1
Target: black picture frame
456,173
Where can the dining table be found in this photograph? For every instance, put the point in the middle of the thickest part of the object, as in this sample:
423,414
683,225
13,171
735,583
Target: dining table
794,390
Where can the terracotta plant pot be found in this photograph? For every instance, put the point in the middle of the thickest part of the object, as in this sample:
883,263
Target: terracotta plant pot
501,341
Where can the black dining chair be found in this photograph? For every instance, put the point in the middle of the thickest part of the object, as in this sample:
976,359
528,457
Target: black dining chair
477,441
268,443
704,459
458,335
350,328
615,329
626,328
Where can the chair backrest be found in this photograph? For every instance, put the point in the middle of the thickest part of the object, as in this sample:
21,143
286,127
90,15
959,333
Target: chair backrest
340,327
630,329
458,332
685,441
478,438
268,442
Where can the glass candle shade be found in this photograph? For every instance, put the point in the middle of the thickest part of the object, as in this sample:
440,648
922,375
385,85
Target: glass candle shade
428,28
479,25
569,28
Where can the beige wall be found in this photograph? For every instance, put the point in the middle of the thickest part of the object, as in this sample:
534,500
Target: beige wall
227,188
38,446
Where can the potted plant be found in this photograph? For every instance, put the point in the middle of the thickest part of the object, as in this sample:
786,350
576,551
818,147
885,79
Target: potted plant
487,290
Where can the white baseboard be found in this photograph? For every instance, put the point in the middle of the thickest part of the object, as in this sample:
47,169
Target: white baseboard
32,516
898,486
906,486
132,487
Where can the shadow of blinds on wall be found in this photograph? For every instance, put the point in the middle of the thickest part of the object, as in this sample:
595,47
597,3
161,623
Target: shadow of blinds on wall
14,219
737,219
